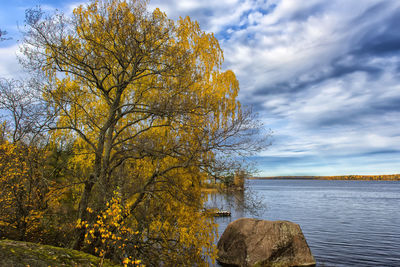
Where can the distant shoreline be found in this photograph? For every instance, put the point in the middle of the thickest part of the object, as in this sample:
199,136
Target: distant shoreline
390,177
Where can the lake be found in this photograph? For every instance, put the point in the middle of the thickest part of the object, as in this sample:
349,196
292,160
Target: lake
346,223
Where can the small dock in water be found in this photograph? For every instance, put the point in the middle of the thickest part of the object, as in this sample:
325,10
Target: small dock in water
222,213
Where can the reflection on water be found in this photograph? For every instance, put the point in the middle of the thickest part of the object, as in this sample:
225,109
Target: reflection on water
346,223
233,202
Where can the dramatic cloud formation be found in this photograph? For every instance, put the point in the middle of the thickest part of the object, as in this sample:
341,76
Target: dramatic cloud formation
323,75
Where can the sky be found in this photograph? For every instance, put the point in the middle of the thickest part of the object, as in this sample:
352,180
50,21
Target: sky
324,76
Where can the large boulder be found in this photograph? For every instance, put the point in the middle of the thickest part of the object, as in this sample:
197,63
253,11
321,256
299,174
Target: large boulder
251,242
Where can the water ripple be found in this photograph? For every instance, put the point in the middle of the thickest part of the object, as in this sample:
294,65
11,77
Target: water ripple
346,223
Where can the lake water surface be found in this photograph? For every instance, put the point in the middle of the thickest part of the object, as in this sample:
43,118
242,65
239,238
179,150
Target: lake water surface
346,223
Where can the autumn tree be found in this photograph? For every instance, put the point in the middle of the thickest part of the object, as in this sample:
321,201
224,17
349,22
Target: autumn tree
150,115
24,194
35,182
24,189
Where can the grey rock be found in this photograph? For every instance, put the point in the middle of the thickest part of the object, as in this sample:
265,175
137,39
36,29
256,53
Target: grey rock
251,242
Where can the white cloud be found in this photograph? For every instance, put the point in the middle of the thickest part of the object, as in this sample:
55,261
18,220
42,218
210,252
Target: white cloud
308,67
69,8
9,67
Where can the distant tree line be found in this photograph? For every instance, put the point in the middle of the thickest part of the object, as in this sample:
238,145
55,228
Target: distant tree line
384,177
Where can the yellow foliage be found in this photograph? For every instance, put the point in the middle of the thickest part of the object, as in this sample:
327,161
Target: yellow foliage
113,231
23,192
146,105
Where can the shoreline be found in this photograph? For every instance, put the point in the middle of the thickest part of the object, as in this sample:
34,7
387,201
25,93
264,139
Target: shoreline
389,177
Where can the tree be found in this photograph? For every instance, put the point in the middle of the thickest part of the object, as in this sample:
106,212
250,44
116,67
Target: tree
25,191
34,179
150,115
24,112
2,38
24,194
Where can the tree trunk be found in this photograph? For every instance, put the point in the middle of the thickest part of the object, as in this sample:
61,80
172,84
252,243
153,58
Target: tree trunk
79,235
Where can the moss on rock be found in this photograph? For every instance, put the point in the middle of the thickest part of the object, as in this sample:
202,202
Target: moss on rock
22,254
